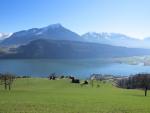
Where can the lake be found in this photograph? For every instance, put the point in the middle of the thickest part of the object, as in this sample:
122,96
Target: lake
79,67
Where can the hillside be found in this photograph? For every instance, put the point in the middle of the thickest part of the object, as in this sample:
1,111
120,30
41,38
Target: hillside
72,49
38,95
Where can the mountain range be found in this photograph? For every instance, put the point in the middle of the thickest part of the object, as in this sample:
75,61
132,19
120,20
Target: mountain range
58,32
56,41
116,39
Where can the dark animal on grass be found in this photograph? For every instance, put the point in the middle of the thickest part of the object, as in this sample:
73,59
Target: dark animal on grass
70,77
73,80
84,83
52,76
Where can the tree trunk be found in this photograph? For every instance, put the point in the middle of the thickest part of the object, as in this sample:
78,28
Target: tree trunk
5,82
9,86
146,91
5,86
92,83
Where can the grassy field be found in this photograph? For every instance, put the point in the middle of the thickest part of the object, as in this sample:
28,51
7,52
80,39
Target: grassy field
38,95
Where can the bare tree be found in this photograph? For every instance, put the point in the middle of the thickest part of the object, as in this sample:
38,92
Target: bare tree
7,80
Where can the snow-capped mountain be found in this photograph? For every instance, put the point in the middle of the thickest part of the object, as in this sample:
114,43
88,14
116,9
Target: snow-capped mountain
53,32
58,32
4,35
55,41
116,39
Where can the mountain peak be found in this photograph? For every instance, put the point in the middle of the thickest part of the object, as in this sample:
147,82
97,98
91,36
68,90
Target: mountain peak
54,26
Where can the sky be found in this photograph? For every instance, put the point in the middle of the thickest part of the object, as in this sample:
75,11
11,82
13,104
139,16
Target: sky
130,17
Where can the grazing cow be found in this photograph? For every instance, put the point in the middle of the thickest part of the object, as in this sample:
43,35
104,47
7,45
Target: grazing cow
70,77
74,80
84,83
52,76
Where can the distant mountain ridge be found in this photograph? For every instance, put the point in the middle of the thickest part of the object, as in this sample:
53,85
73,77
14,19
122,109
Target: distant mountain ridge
116,39
44,48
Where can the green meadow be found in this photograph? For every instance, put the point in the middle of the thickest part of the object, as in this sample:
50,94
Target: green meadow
40,95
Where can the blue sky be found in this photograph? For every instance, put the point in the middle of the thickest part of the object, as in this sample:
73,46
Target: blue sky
130,17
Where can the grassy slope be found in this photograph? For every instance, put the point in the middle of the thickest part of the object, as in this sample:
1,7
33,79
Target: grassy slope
60,96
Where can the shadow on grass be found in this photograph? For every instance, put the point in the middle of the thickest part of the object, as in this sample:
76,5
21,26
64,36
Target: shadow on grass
139,95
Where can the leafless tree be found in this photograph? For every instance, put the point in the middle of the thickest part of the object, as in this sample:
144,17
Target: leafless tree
7,80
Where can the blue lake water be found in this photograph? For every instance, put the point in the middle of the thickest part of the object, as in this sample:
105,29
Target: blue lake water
80,68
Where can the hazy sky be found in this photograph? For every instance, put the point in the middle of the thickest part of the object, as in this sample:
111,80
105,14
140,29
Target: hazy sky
130,17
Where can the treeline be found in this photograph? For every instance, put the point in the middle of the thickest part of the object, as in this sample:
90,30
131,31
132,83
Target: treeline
138,81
